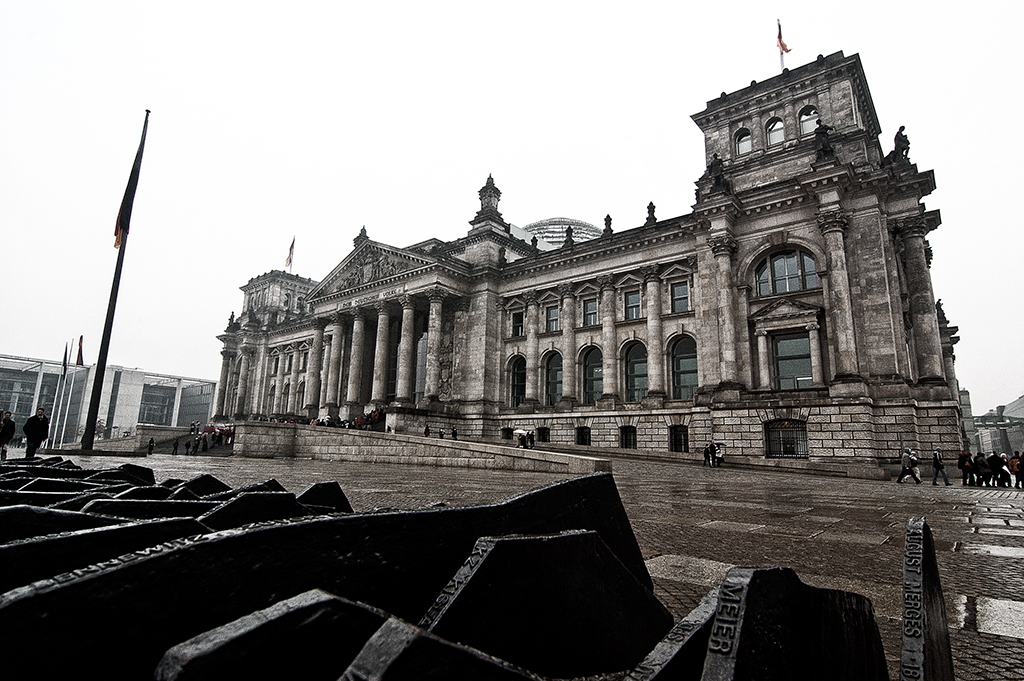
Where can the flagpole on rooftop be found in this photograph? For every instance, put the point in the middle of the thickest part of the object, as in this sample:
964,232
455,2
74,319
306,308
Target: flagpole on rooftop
124,217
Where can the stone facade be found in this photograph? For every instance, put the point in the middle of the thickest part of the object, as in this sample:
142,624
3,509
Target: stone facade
790,316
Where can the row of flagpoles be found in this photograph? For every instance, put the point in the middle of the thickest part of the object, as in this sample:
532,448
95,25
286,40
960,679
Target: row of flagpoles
63,407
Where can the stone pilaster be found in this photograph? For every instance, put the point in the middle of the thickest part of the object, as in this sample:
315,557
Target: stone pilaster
927,342
609,348
655,341
833,224
722,247
353,398
406,347
817,374
225,371
334,364
433,377
241,407
379,394
567,322
763,360
532,348
313,371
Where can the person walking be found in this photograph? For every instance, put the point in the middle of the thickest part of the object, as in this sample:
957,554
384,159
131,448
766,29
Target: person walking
1018,470
713,453
174,449
938,467
707,456
152,446
982,470
909,466
37,431
455,433
426,431
188,446
7,430
966,467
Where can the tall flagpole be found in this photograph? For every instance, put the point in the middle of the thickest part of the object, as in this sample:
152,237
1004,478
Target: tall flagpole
124,217
67,406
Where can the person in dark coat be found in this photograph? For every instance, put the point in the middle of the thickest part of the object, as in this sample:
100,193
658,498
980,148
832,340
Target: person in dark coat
152,446
966,466
982,470
174,449
37,431
6,434
938,466
996,465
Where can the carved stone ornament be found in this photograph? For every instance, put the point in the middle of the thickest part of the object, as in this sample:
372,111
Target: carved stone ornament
722,244
832,221
649,272
911,227
607,226
650,215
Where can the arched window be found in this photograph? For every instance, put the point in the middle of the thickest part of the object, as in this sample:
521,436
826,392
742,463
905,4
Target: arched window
786,272
593,376
553,379
775,131
627,437
287,301
684,368
808,120
517,381
744,142
636,373
785,439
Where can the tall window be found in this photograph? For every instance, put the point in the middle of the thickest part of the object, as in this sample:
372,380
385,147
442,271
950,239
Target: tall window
553,382
551,319
636,373
786,439
305,361
517,381
627,437
684,368
590,312
681,297
678,439
277,364
593,376
786,272
792,355
290,358
744,142
583,435
517,323
775,131
808,120
632,301
300,396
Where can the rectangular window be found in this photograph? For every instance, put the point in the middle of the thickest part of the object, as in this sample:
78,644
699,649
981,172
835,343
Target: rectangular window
627,437
517,324
678,439
633,305
305,361
590,312
792,355
551,319
290,359
681,297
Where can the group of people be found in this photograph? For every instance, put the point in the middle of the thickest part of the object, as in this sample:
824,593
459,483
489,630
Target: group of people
712,456
36,429
440,432
909,467
994,470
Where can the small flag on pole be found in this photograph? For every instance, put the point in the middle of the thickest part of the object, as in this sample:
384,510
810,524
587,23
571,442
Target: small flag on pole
79,361
124,216
291,252
64,368
781,42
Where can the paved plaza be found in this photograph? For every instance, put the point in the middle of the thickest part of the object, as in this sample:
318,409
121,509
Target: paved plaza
694,523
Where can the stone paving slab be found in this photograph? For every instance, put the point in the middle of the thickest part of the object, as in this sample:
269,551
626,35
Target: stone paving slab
691,522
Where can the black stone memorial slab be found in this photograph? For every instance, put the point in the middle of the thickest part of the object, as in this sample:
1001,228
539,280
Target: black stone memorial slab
401,652
141,604
149,509
206,484
79,501
24,521
326,494
559,605
313,636
154,492
270,485
680,654
770,626
926,654
143,473
254,507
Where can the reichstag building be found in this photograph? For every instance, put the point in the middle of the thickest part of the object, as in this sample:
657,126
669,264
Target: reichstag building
789,316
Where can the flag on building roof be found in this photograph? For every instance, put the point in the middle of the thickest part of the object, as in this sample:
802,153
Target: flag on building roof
124,216
64,368
782,44
79,361
291,252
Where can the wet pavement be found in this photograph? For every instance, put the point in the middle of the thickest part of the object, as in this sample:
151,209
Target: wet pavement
694,523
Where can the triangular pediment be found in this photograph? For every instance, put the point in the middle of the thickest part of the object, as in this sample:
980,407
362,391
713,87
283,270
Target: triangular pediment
786,309
369,262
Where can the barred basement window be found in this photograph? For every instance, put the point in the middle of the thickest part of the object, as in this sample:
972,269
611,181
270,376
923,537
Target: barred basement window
543,434
678,439
786,439
627,437
583,435
506,433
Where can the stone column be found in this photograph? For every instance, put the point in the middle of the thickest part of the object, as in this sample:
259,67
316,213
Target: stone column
567,322
927,342
355,365
817,375
406,348
655,342
334,365
293,394
225,370
833,227
723,246
433,378
280,405
763,360
243,382
313,378
380,358
532,348
609,348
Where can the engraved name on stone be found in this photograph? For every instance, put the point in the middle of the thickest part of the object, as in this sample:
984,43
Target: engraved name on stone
727,617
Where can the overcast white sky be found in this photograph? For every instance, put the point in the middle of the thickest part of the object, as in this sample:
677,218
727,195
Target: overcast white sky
312,119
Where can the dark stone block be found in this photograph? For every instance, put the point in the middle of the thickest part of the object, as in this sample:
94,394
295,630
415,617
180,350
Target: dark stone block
270,485
172,482
147,509
401,652
115,475
148,492
16,498
313,636
15,483
141,472
78,502
24,521
680,655
326,494
206,484
770,626
142,604
184,494
926,652
57,485
254,507
560,605
28,560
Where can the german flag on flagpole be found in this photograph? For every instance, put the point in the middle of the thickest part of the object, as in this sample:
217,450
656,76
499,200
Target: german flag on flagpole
291,254
124,216
79,362
781,42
